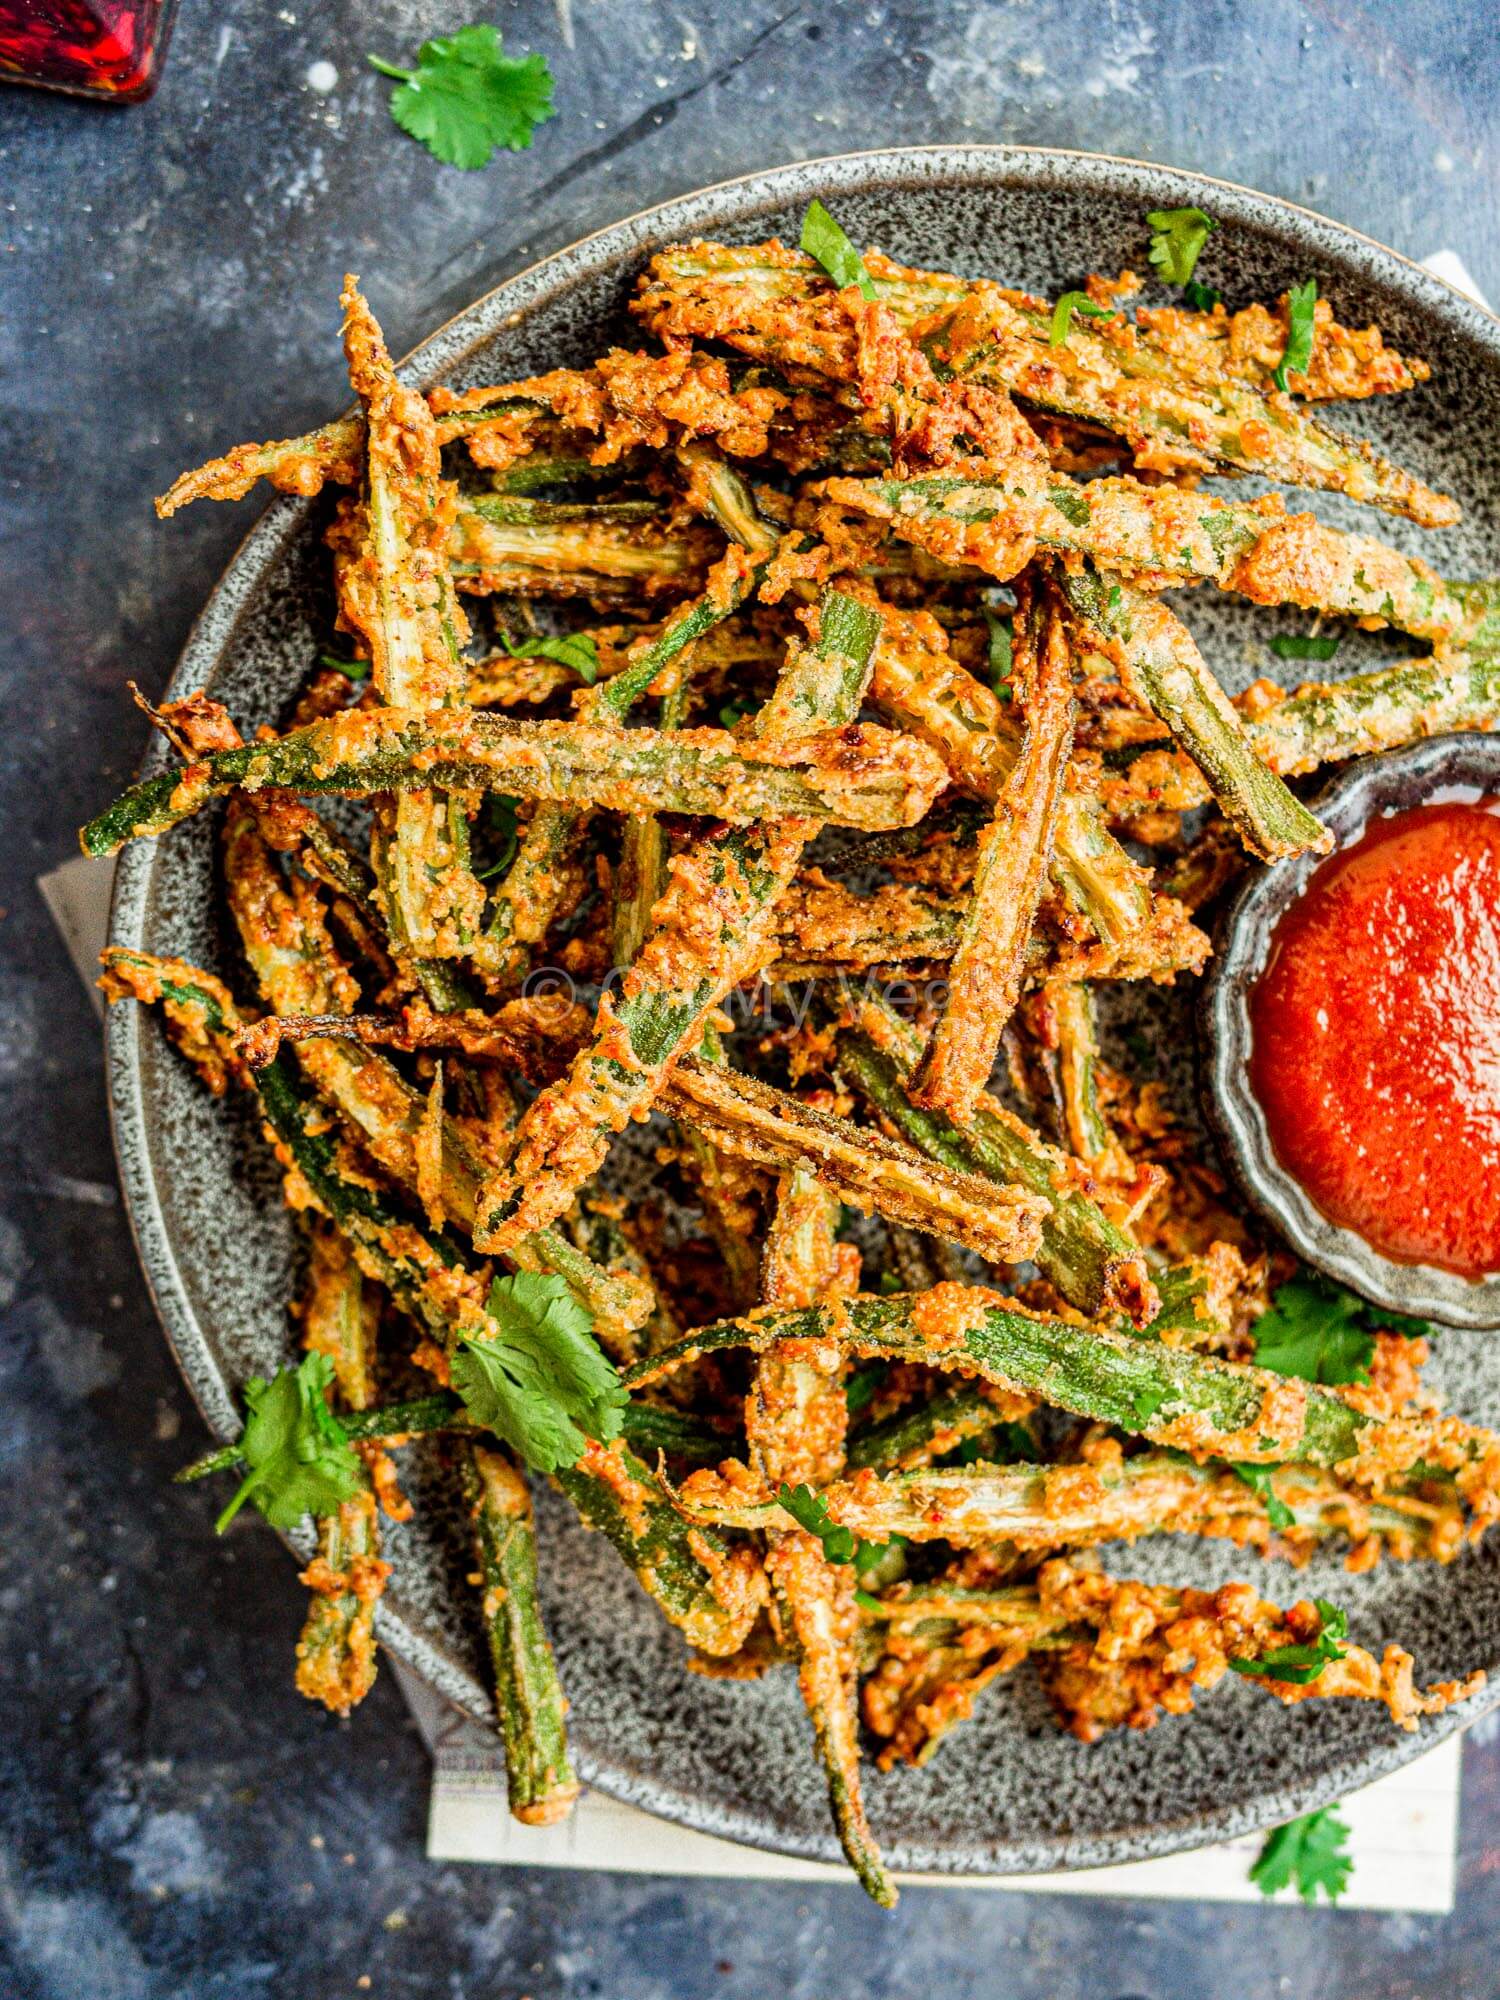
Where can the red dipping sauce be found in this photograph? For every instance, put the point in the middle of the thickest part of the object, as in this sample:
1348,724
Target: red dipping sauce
1376,1037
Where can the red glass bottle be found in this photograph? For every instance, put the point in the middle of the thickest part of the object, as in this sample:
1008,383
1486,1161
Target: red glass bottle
95,48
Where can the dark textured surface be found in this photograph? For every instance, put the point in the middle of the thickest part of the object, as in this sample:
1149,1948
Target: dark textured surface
1011,1793
166,284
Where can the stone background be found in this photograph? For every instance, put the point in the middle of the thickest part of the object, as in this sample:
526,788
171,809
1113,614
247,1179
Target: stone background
177,1824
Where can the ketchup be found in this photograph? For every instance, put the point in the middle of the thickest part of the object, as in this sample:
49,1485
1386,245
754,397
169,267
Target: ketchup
1376,1037
98,48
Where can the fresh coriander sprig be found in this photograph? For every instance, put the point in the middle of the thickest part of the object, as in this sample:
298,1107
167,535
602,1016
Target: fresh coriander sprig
824,241
1177,239
298,1458
1318,1331
537,1378
1300,1664
577,650
1063,311
1258,1477
1302,303
354,670
1307,1852
466,98
1001,652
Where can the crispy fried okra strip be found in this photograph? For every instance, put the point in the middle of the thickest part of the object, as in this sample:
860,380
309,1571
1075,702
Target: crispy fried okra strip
1071,1009
1172,1395
984,978
340,1315
711,1590
1091,1262
395,591
754,1120
1324,723
924,1432
1038,1507
1155,656
540,1781
710,930
795,1418
924,688
336,1652
857,776
776,305
1172,537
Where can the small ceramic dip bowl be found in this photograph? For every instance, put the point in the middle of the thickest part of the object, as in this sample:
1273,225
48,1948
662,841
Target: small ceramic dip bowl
1443,767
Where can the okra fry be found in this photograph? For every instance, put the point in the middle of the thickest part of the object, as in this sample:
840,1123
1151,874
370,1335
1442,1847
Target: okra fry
709,931
540,1781
340,1315
1325,723
858,776
776,305
752,1119
1172,537
1172,1395
1071,1007
336,1652
984,979
395,591
1155,656
1037,1507
1091,1262
915,1437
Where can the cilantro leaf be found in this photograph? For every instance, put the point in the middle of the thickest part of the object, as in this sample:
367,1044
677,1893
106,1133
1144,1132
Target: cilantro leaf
1301,301
499,827
574,649
356,670
1299,1664
1177,239
1308,1852
1258,1477
1063,311
840,1545
826,243
1145,1405
1304,646
1202,298
299,1459
1315,1330
538,1379
1002,651
466,98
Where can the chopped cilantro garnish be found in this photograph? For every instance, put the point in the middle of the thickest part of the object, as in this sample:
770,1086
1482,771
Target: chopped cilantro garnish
1301,301
538,1378
1177,239
466,98
1202,298
1305,646
1320,1332
866,1602
355,670
573,649
841,1545
1302,1663
1307,1853
1063,311
298,1458
1145,1405
824,241
1278,1513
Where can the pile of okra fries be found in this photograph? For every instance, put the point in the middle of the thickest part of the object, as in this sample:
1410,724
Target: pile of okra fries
823,653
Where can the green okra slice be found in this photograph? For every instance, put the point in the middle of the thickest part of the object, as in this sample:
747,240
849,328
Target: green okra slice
914,1437
1155,656
857,776
1015,850
1092,1263
594,555
1072,1013
1172,1395
1249,547
772,303
540,1781
336,1652
340,1315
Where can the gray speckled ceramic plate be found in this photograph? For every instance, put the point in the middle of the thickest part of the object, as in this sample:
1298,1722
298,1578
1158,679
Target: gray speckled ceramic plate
1008,1792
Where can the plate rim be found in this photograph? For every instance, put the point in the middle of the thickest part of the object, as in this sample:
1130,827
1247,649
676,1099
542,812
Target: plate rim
212,634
